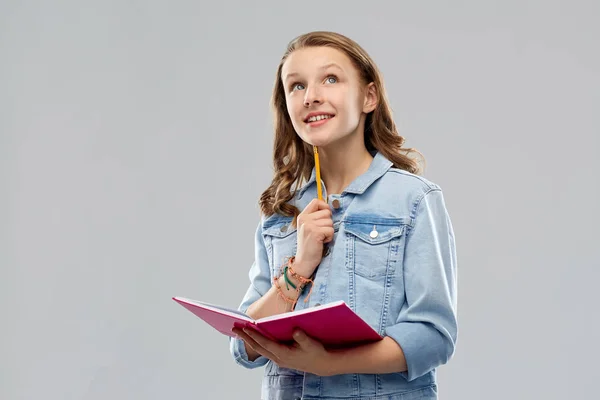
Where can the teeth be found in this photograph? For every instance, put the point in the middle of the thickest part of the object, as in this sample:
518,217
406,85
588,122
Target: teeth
318,118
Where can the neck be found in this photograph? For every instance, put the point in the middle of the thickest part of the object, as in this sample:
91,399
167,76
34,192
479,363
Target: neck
340,165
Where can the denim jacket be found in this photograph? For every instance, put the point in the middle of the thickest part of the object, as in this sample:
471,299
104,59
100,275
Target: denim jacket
393,261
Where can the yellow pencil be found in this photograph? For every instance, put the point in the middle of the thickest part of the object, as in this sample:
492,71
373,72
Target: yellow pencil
319,188
318,171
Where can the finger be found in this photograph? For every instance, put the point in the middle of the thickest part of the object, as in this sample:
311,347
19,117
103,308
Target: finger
311,207
326,234
303,340
320,234
270,346
243,335
322,205
324,222
315,227
315,205
261,350
321,214
255,346
314,216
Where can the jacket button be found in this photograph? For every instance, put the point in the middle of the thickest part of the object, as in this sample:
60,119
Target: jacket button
336,204
317,305
374,233
283,228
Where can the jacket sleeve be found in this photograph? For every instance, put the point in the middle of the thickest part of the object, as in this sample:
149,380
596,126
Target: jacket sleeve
426,328
260,283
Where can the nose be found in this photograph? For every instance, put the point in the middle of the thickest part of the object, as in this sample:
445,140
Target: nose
312,95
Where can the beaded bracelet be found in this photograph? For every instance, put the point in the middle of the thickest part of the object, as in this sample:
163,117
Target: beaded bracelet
288,282
302,279
287,299
287,267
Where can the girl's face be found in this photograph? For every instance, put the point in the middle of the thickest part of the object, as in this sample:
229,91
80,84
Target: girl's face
325,98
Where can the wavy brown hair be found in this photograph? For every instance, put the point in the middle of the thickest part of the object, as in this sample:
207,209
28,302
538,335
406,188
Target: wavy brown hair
293,159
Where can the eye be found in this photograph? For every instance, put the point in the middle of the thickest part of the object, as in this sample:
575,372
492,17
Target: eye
331,79
296,86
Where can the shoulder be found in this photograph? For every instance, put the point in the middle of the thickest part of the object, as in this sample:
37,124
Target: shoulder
398,185
400,194
409,182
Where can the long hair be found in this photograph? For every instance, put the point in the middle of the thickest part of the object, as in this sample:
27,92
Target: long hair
293,159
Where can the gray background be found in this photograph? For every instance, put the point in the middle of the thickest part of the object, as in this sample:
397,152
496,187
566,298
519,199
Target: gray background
135,139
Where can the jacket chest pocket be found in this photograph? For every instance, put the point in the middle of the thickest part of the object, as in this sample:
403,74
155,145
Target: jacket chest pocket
374,247
281,243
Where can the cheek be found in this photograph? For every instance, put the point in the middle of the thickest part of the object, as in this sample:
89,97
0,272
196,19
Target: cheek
351,111
294,115
293,108
347,102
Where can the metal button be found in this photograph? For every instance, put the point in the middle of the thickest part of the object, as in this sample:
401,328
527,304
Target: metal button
336,204
283,228
374,233
317,305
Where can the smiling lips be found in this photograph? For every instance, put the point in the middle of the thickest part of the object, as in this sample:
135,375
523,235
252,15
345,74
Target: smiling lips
315,119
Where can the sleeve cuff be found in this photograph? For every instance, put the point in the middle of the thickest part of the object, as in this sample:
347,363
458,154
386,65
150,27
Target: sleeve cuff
238,350
424,347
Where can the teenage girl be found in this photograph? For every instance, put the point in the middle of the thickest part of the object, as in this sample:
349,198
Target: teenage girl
374,234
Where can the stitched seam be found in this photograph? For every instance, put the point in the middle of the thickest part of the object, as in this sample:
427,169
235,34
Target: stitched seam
413,213
426,182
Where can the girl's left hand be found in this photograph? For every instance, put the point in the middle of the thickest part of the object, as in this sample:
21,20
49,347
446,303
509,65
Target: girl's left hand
306,354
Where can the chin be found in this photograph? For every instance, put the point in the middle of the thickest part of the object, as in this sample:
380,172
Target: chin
317,139
319,136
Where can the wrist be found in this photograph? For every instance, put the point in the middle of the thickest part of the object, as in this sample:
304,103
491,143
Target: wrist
333,364
291,286
300,268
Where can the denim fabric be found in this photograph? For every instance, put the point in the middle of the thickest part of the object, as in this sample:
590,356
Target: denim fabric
402,281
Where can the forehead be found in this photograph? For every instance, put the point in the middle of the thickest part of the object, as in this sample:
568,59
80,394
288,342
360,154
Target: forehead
310,60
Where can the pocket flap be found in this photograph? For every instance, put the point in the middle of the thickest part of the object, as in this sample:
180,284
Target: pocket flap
279,227
375,231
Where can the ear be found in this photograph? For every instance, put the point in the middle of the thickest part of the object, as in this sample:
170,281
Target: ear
370,101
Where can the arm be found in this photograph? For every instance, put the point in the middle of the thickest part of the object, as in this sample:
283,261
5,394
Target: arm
264,299
311,356
425,331
426,328
270,304
381,357
260,283
260,300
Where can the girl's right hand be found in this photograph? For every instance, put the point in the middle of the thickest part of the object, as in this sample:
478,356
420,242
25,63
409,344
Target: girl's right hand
315,229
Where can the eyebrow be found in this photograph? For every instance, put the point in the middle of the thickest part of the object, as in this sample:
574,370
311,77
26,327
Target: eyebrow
329,65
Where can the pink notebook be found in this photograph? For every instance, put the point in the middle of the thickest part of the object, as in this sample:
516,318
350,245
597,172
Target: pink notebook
333,324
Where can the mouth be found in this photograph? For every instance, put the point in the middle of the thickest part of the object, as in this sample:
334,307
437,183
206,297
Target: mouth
318,119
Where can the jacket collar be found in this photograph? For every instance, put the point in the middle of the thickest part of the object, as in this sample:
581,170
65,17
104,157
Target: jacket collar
379,166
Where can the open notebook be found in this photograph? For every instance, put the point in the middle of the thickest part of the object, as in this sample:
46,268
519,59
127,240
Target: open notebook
333,324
